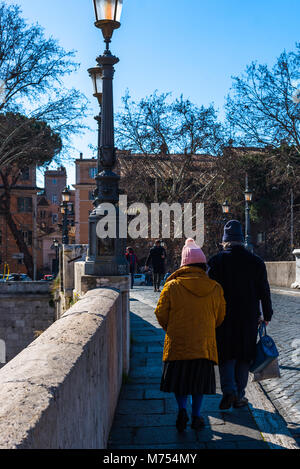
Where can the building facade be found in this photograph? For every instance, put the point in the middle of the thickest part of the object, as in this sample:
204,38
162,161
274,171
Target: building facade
23,207
55,182
86,171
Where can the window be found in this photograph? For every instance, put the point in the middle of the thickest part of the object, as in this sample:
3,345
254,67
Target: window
27,236
93,172
54,218
25,174
261,238
54,181
0,237
42,214
54,199
24,204
91,195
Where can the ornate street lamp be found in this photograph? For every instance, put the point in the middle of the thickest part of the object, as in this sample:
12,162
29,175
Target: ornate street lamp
108,15
66,195
248,199
225,208
96,74
106,256
56,246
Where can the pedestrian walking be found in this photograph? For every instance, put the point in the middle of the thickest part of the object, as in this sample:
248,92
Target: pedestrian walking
190,308
132,261
156,259
243,276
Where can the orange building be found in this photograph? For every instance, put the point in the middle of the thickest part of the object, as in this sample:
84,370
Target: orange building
23,209
86,170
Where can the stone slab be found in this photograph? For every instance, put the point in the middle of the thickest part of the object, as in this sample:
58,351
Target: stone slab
131,406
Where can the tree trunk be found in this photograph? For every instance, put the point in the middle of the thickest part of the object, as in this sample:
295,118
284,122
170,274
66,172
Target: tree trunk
20,243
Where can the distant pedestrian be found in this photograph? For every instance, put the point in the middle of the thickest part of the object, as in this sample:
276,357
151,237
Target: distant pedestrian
243,277
132,261
167,275
190,308
156,259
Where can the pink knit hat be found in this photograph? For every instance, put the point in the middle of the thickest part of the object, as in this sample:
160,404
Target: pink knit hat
192,253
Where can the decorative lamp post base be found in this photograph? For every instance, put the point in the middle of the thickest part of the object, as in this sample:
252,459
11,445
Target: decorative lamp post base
106,256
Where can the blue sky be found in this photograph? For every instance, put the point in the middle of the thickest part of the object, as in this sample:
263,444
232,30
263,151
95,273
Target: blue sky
191,47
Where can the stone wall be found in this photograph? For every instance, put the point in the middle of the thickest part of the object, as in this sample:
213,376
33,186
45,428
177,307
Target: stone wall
281,274
61,392
71,254
25,310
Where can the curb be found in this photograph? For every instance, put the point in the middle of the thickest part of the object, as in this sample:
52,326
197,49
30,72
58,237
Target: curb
285,291
271,424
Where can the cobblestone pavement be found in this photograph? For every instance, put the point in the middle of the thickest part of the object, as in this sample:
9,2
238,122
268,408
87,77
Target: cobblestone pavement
285,330
145,417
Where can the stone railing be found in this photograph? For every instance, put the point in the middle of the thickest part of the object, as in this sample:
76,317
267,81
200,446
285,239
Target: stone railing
281,274
62,390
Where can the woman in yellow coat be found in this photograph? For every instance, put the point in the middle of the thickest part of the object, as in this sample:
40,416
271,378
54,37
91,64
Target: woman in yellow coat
190,308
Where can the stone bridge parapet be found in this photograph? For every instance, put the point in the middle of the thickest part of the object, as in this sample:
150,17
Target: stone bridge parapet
62,390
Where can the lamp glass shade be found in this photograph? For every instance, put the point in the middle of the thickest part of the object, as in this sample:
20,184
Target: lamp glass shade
225,207
96,75
109,10
248,196
63,209
66,195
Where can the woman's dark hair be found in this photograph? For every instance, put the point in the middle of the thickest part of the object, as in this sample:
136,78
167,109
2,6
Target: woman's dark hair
202,266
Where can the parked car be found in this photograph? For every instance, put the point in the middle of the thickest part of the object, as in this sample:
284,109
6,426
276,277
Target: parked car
18,278
139,279
48,277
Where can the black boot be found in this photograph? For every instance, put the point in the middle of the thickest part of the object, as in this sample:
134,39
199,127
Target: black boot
182,420
227,401
198,423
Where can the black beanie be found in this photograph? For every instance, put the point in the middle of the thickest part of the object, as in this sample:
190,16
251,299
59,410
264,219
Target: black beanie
233,232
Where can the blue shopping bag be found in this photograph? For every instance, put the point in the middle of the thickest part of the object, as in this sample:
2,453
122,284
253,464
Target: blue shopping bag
266,351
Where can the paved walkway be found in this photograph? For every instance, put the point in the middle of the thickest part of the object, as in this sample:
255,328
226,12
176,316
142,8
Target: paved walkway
285,330
145,417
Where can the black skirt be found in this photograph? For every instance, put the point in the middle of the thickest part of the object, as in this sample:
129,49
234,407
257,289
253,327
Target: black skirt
185,377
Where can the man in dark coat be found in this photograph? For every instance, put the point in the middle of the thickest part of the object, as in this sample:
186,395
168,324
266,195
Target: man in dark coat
243,276
157,258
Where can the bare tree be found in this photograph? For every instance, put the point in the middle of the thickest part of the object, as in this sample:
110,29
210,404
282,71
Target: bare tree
263,107
171,140
32,70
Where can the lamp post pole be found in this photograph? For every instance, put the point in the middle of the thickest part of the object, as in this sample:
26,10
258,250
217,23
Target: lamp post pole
248,199
65,212
106,255
65,231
